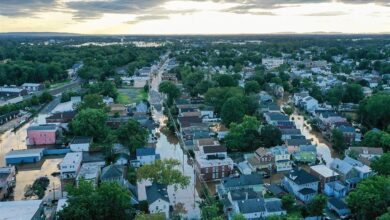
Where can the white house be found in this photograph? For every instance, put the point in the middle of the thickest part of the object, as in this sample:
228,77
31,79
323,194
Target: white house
157,198
302,184
309,103
80,144
70,165
260,208
282,158
271,63
90,172
32,87
146,156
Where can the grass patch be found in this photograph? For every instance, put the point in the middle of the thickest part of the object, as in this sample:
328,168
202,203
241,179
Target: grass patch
132,95
56,85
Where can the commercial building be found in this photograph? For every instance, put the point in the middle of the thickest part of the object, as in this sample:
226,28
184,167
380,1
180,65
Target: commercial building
24,156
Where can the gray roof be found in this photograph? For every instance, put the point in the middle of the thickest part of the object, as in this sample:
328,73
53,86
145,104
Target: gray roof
337,203
81,140
307,191
42,127
214,149
242,180
290,131
25,151
243,194
156,191
301,177
112,172
341,166
273,205
297,142
277,116
251,206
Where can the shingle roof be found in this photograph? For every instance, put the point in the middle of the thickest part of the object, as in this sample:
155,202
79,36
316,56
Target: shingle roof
214,149
301,177
145,151
341,166
307,191
273,205
337,203
156,191
81,140
251,206
242,180
297,142
112,172
243,194
43,127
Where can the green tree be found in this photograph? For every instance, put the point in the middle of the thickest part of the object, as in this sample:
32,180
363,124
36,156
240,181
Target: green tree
317,205
170,89
232,111
252,87
45,97
244,136
238,216
288,202
338,141
385,216
375,138
164,172
94,101
374,111
382,165
371,197
270,136
353,93
90,122
108,201
132,134
225,80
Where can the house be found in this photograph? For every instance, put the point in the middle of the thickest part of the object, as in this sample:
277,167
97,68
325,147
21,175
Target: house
364,171
61,117
108,100
272,62
348,133
212,162
32,87
260,208
23,156
252,181
366,154
7,180
287,133
309,103
338,206
9,92
122,159
295,142
273,117
305,154
188,121
262,159
113,173
336,189
281,158
80,144
302,184
146,156
324,174
23,210
158,200
275,190
70,165
118,109
142,108
45,134
348,174
90,172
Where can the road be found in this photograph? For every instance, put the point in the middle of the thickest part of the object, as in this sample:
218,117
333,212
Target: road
168,147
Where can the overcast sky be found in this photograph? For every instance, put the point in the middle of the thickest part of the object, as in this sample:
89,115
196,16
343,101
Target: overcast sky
194,17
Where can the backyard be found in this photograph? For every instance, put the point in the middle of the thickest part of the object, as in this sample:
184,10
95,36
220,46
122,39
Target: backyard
131,95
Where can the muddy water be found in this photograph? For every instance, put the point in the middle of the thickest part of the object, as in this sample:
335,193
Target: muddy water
322,148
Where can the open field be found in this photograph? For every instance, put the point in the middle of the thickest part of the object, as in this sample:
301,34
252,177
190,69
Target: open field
131,95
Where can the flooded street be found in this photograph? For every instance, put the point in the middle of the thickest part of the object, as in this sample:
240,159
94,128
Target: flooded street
12,141
322,149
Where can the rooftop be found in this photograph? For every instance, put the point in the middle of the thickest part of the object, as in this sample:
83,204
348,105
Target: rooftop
155,192
22,210
15,153
90,170
242,180
323,171
72,158
112,172
214,149
81,140
300,177
145,151
43,127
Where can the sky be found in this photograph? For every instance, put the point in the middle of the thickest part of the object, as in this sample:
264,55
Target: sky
195,17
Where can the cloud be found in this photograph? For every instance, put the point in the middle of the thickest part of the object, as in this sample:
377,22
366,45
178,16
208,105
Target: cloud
147,18
18,8
328,13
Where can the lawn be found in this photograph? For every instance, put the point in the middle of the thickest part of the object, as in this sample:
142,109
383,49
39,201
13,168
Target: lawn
131,95
56,85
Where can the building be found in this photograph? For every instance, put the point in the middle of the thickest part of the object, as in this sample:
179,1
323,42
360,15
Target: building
90,172
262,159
365,154
260,208
348,174
9,92
158,200
309,103
7,180
146,156
271,63
23,156
324,174
212,162
113,173
305,154
118,109
282,157
338,206
61,117
70,165
336,189
45,134
364,171
32,87
288,133
80,144
252,181
23,210
302,184
273,117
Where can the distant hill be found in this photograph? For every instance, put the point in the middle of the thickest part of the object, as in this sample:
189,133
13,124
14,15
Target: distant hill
38,34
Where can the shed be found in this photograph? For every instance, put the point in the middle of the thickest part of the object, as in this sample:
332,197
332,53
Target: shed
24,156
